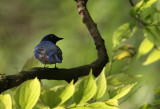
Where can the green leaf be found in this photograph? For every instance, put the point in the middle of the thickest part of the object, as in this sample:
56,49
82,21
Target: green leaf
80,107
57,95
27,94
101,84
50,98
146,106
59,107
123,32
72,105
123,55
153,57
122,78
40,106
145,8
147,4
85,89
148,8
5,101
52,83
135,9
31,62
157,91
152,33
105,97
158,5
67,93
157,102
154,19
3,106
145,47
112,102
123,91
100,105
126,47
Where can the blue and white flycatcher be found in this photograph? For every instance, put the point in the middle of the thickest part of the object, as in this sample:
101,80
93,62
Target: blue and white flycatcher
47,52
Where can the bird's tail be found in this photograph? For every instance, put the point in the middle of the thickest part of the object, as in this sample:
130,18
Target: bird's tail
57,59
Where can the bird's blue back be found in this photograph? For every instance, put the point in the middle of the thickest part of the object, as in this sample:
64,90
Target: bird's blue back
47,53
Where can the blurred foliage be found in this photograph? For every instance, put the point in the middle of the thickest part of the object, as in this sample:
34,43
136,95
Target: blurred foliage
131,34
86,93
156,101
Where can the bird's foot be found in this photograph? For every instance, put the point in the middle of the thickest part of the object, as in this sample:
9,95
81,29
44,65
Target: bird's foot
56,68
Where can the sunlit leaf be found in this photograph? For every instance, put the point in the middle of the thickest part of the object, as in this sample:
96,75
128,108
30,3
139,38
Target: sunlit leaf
122,78
85,89
3,106
101,84
145,47
146,106
105,97
72,105
147,4
67,93
57,95
5,101
123,55
153,57
59,107
135,9
126,47
100,105
152,33
123,32
123,91
144,10
112,102
147,8
27,94
81,107
40,106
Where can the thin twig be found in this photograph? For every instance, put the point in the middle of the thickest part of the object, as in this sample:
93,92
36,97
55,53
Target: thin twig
131,2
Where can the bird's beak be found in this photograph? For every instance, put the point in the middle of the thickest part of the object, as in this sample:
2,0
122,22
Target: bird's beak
60,38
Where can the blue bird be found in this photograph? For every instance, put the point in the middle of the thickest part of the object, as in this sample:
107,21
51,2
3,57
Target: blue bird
47,52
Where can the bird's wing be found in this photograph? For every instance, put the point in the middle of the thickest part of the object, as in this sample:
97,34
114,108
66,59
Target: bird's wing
44,49
59,53
48,51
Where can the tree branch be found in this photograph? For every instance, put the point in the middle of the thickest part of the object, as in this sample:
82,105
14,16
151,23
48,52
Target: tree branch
131,3
10,81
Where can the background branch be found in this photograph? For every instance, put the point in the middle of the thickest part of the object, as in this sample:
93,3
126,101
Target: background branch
131,2
10,81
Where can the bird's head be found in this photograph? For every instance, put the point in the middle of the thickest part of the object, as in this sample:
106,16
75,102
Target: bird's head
51,37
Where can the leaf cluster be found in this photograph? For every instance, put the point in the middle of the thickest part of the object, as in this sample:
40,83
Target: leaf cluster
146,16
87,93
